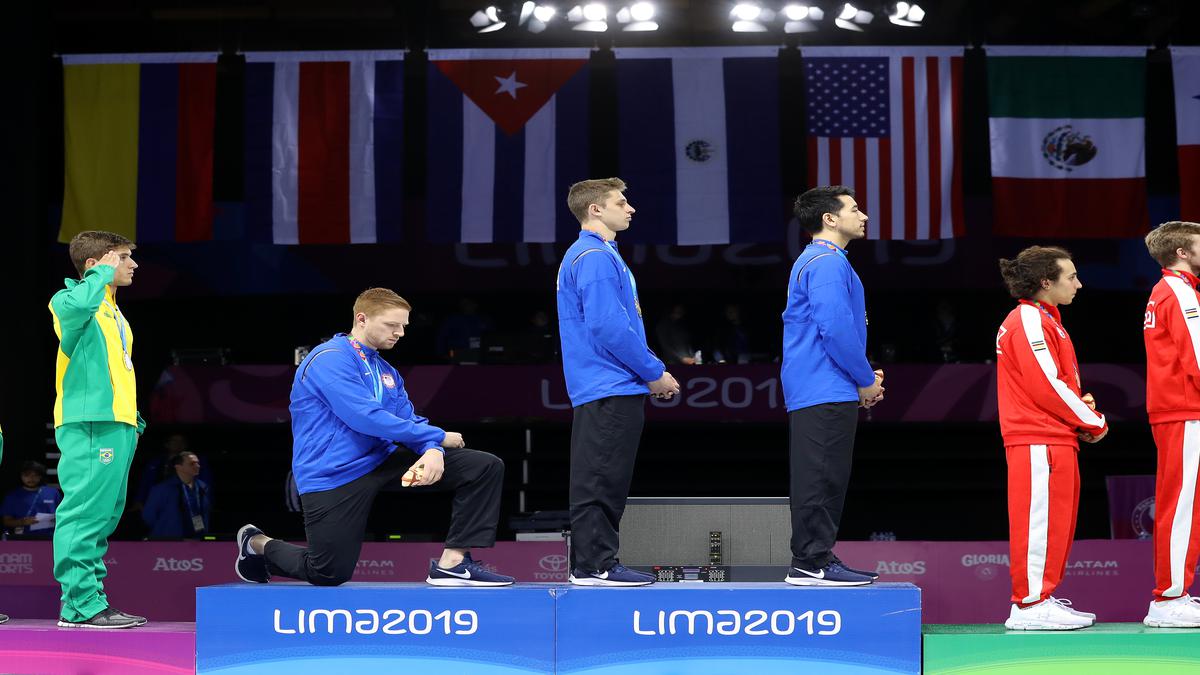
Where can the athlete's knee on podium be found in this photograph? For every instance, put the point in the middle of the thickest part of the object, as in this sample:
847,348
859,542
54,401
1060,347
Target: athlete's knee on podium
332,574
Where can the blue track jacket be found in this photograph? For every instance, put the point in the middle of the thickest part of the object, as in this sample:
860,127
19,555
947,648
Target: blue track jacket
604,348
348,412
824,330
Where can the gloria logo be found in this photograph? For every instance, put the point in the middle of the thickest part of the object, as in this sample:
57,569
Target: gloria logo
16,563
177,565
905,568
552,567
986,565
1064,148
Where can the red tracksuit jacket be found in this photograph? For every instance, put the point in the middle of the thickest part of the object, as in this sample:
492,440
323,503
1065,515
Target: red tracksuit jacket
1172,334
1037,379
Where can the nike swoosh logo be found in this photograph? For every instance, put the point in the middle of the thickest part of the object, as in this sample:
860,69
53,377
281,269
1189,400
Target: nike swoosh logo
460,575
602,575
818,575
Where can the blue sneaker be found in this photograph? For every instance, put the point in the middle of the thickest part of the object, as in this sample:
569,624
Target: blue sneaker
250,566
833,574
866,573
617,575
469,572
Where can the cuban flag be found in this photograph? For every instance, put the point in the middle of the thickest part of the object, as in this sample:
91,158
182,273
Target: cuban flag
508,135
699,144
324,147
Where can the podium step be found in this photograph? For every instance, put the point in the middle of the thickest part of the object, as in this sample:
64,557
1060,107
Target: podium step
683,629
722,628
364,628
40,646
1103,649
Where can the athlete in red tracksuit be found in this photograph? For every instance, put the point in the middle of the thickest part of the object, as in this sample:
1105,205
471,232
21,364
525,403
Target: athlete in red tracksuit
1172,334
1042,418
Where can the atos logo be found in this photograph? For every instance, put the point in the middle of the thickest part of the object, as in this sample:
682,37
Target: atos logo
553,566
176,565
914,568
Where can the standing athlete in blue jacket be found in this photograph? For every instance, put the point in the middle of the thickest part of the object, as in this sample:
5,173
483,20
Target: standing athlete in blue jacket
355,432
826,378
609,370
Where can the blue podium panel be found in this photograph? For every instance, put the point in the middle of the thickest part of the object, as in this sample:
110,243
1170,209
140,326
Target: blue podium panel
717,629
366,628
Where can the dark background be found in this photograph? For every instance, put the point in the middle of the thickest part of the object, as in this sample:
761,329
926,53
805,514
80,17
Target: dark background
258,302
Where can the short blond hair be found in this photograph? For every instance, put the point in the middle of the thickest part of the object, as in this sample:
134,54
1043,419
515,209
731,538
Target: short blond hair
1164,240
374,301
588,192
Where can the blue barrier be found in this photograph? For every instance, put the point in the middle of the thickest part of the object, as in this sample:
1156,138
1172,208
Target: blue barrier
764,629
364,628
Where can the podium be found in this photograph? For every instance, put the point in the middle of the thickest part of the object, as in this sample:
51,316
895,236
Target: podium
364,628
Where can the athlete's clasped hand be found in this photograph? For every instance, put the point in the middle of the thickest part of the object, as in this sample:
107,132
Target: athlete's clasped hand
869,396
664,387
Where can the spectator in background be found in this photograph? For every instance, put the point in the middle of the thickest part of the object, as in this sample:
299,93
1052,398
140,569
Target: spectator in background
159,467
674,339
946,332
731,344
180,507
461,334
29,509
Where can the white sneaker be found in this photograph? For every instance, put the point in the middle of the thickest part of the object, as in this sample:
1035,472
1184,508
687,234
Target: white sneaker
1181,612
1066,604
1046,615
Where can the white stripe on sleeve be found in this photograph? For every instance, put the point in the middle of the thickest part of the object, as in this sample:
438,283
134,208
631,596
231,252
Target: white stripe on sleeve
1031,323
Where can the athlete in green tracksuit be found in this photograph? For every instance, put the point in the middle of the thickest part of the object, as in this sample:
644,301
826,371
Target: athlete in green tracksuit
96,424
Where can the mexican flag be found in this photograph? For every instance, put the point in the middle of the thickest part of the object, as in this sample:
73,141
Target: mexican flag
1068,141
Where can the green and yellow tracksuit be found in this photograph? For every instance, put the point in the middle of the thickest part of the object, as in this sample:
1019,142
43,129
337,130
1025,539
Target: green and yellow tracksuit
96,425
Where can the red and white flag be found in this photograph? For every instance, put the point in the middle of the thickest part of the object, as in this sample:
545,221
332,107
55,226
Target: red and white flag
887,122
323,146
1185,61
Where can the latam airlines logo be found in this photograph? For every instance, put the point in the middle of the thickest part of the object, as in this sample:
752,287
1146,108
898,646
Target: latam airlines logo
375,568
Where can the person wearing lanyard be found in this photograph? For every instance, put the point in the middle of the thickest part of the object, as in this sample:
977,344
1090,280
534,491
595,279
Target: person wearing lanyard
826,378
180,506
96,423
356,432
29,510
1171,332
608,369
1043,416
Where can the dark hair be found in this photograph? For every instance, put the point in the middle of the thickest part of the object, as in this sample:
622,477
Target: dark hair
31,465
1023,275
812,205
178,458
94,244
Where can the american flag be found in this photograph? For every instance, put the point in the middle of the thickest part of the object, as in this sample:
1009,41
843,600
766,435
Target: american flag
886,122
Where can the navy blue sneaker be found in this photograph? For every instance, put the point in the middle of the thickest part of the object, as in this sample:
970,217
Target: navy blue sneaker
866,573
469,572
250,566
3,618
617,575
833,574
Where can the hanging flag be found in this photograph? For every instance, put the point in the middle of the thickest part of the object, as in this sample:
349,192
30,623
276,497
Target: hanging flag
1185,62
508,135
1068,141
138,140
699,144
324,147
886,121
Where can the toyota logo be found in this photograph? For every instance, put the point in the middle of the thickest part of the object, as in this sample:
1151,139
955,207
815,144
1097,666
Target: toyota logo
553,563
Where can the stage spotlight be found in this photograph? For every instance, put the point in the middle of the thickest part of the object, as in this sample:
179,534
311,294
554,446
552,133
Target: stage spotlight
795,12
592,17
799,18
487,20
908,15
536,17
853,18
750,17
543,13
637,17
